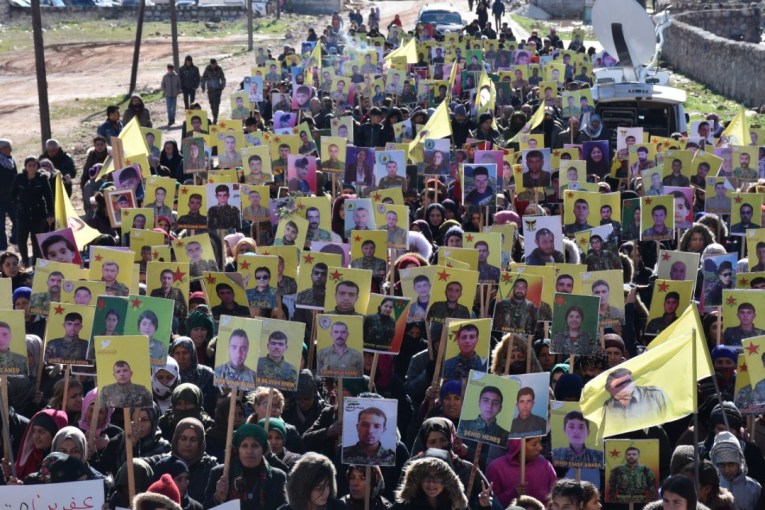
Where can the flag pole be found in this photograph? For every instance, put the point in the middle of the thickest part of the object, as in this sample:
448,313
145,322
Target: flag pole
696,457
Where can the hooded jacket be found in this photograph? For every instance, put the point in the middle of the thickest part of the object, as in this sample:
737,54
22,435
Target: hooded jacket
140,111
189,392
409,495
505,474
200,375
499,356
154,500
30,458
746,491
142,472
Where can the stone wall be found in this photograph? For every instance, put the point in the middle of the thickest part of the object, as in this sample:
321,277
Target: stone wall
561,9
738,22
730,68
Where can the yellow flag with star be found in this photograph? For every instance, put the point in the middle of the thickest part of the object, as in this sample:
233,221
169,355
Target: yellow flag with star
533,122
438,126
66,216
737,132
133,146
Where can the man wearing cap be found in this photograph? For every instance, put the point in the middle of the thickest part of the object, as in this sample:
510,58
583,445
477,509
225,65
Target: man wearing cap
214,81
223,215
659,324
8,171
171,88
614,349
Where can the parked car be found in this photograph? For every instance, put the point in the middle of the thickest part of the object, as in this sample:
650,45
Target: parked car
443,16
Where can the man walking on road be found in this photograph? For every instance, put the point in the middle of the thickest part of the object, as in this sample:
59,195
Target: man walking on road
498,10
189,74
171,88
214,81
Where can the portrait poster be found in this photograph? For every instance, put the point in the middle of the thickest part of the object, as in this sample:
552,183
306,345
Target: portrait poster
359,167
81,292
745,213
393,220
13,343
151,317
631,219
718,273
348,290
369,423
417,284
657,219
198,252
359,215
573,439
572,174
256,165
122,365
215,283
369,250
543,240
312,278
259,275
240,338
750,280
48,281
548,273
755,248
280,350
750,377
339,344
67,333
575,322
467,257
678,265
581,211
59,246
196,120
453,294
508,233
130,176
670,299
390,169
240,101
226,211
194,154
531,406
468,345
109,319
745,164
333,151
718,194
608,286
291,231
255,202
169,280
114,267
137,218
436,157
623,457
301,174
342,128
116,201
384,323
342,249
488,248
519,301
192,207
480,184
487,408
741,315
141,243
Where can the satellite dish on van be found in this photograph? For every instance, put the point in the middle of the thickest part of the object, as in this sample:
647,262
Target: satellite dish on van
626,31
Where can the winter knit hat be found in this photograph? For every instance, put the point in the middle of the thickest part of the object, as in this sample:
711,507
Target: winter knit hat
251,430
727,449
24,292
681,457
725,351
166,487
276,424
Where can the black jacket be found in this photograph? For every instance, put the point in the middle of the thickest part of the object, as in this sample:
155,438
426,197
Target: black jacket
62,162
33,197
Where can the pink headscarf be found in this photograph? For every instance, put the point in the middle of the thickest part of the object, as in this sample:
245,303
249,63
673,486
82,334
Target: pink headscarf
86,401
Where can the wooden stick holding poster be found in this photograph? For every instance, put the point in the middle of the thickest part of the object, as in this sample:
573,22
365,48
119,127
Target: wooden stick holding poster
373,370
4,410
230,431
368,487
67,374
312,343
476,458
129,453
269,405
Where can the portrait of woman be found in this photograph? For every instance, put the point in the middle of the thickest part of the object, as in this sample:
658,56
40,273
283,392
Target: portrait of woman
359,169
574,339
596,157
380,327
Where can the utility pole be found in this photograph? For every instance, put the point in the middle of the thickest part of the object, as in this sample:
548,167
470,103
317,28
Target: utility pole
137,48
42,79
174,33
249,24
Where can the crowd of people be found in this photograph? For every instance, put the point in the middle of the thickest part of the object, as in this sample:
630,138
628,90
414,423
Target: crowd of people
292,457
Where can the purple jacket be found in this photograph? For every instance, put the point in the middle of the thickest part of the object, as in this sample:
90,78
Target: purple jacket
505,474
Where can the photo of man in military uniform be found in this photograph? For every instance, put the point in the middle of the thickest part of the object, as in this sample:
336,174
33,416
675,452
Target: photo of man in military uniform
451,308
273,365
109,272
70,348
124,393
368,450
228,305
459,366
397,236
377,265
222,215
339,359
11,363
746,315
193,219
40,301
516,314
489,406
631,482
167,291
234,373
314,297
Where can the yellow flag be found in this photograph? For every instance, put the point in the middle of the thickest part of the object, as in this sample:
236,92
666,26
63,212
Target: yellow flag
452,79
484,101
133,144
315,59
66,216
409,50
533,122
656,387
737,132
438,126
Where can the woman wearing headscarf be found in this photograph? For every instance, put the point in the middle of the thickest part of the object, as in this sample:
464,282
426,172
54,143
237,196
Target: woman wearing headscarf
37,440
312,485
186,402
107,437
202,376
163,381
338,215
142,473
146,438
357,484
200,329
59,467
435,215
251,479
429,483
71,441
216,435
188,444
172,159
179,471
